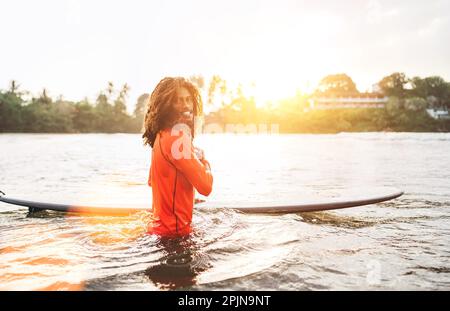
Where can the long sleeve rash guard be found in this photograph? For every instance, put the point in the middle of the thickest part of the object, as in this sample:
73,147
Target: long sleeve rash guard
174,173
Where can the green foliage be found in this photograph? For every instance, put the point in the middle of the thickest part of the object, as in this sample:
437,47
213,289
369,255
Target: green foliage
10,112
416,104
43,114
85,118
394,84
405,110
435,87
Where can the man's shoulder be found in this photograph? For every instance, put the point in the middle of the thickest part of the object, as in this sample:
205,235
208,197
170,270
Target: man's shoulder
172,134
172,138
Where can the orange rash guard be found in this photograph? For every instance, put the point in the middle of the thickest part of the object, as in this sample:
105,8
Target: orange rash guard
173,180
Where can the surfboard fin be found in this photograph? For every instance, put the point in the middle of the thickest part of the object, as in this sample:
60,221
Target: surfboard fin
32,210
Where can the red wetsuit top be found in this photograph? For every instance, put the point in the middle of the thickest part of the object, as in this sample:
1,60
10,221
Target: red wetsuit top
173,179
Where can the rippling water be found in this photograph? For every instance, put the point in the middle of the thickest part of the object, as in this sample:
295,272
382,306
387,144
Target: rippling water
401,244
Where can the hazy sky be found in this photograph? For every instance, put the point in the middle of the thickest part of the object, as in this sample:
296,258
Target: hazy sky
73,47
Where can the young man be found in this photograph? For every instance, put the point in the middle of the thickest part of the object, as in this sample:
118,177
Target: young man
177,166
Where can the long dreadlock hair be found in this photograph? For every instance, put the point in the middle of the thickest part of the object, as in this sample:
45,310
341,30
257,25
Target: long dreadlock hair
160,107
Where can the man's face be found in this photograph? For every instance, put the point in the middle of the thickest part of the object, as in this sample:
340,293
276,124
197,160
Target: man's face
185,103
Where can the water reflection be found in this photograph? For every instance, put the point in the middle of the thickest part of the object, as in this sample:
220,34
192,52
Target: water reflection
179,266
324,218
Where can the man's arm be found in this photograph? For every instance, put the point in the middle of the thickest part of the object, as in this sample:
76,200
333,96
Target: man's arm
197,171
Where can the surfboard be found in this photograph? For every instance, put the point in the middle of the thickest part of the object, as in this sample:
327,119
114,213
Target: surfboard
326,200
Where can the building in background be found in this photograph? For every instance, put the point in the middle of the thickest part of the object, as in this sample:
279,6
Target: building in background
438,113
362,100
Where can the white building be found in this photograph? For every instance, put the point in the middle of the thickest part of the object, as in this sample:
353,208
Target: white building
366,100
438,113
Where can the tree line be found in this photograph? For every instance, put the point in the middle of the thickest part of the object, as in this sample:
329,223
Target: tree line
434,89
405,111
408,99
42,113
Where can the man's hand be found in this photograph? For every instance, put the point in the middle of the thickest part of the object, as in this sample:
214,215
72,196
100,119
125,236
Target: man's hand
199,153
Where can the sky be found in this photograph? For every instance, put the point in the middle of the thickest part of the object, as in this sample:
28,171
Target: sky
74,47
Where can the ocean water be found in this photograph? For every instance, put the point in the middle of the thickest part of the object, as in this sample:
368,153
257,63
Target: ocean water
401,244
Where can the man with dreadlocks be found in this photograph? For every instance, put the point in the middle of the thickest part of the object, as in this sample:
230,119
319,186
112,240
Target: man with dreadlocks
177,166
